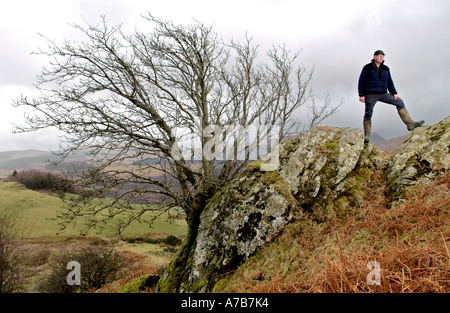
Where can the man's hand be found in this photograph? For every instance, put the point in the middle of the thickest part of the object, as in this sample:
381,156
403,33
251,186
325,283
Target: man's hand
362,99
396,97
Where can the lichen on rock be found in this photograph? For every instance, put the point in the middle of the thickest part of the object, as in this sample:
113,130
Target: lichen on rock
232,228
422,157
253,208
321,160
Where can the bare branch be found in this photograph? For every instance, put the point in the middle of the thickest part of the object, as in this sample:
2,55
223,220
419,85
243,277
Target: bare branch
123,99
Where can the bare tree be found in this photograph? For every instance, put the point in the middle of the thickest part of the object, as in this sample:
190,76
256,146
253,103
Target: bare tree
124,99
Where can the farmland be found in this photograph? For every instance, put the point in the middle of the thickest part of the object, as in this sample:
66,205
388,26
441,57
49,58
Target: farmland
36,213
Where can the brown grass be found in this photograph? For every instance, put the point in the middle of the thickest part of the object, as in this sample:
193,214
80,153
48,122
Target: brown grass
410,242
136,272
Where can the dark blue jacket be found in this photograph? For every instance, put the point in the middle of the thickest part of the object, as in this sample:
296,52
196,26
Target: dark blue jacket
373,80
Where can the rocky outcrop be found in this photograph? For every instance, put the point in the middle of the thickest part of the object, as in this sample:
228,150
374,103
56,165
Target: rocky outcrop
322,172
314,178
422,157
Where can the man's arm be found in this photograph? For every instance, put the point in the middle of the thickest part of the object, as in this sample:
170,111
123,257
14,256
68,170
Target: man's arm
362,85
362,82
391,86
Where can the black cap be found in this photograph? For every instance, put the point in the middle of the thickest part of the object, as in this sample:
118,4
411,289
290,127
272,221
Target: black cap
379,52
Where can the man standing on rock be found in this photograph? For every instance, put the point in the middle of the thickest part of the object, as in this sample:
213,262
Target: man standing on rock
374,83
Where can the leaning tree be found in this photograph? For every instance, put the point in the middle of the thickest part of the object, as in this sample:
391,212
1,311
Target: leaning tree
142,106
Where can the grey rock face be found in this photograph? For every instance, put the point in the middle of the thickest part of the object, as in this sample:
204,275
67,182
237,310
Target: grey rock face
255,206
423,156
322,156
240,219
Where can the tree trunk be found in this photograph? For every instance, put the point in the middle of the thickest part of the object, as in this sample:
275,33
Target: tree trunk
174,273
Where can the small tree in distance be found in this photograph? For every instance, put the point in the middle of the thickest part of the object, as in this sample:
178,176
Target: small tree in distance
127,99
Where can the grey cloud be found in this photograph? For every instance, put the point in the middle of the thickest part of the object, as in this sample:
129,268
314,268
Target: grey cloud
40,140
17,67
414,35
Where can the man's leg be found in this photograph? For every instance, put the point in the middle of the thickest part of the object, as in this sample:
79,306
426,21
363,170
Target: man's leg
404,114
371,99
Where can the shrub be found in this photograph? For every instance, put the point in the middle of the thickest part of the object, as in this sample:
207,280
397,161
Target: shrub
172,240
42,180
36,179
99,266
11,255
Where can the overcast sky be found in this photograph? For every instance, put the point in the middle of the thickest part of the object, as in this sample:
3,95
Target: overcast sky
337,37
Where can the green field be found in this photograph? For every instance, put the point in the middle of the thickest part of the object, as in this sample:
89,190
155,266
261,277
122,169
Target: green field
37,212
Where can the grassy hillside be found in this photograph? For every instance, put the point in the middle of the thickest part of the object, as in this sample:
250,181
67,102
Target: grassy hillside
410,243
38,210
42,246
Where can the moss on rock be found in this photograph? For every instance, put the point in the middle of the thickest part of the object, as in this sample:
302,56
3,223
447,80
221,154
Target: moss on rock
140,284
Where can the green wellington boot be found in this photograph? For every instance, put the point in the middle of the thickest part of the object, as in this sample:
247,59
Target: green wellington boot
406,118
367,129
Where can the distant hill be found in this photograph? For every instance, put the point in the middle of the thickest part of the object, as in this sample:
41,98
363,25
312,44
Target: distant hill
375,137
390,145
22,160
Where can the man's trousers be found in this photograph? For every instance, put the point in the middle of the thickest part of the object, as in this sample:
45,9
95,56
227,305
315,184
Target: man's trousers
373,98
